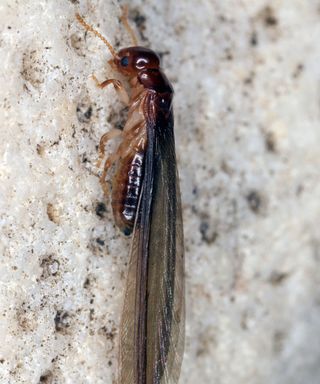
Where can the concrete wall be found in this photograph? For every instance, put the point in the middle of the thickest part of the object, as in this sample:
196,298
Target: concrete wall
246,76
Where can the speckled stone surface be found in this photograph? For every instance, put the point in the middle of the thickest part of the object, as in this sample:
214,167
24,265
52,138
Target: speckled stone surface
246,76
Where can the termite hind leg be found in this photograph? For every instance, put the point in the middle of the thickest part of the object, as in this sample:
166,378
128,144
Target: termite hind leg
124,97
125,22
103,141
110,160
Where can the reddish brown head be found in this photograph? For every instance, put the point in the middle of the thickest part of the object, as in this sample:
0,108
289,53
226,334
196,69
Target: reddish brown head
130,61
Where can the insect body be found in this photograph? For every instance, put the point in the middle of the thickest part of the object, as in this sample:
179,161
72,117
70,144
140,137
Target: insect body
146,201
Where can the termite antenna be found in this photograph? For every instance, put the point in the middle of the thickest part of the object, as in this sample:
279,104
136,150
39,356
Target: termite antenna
125,22
91,29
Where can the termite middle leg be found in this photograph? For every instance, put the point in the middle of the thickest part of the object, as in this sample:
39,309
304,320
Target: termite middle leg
123,95
134,140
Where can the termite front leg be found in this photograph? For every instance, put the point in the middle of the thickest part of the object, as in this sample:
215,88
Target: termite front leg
124,97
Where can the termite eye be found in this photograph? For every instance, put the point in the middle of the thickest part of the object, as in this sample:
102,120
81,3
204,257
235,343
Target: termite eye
124,61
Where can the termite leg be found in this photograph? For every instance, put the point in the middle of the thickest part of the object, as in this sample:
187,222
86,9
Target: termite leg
136,143
117,86
110,160
125,22
103,141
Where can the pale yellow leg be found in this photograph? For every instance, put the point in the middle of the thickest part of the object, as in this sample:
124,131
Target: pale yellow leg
103,141
123,95
133,142
110,160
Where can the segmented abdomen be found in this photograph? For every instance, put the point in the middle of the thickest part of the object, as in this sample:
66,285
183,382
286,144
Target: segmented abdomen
126,188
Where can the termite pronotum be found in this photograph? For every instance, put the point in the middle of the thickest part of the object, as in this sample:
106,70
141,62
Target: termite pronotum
146,201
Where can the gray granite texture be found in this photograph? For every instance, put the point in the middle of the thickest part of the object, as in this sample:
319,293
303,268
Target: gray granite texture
247,105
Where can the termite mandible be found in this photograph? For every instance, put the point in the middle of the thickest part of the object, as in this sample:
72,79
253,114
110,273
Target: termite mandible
146,202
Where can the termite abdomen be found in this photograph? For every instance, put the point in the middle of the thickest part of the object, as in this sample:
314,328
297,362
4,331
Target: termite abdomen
126,192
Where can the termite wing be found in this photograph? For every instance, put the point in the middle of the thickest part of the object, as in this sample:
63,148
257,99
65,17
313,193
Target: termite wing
152,326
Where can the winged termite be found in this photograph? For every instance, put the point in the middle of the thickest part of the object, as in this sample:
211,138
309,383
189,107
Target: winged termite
146,202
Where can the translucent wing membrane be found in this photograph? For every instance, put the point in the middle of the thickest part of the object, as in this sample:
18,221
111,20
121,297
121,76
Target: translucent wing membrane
152,326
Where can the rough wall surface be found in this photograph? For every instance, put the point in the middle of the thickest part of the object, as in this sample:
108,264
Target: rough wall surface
246,76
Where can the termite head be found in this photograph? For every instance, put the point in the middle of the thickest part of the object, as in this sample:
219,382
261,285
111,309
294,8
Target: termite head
130,61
